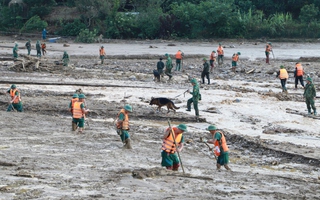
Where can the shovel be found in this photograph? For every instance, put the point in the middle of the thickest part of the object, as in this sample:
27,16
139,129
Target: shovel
201,140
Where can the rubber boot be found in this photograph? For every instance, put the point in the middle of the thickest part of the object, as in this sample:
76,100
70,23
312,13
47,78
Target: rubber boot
314,112
175,167
309,111
227,167
74,126
128,144
218,167
169,168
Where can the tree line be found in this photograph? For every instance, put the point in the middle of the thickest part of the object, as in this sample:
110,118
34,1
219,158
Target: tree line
164,19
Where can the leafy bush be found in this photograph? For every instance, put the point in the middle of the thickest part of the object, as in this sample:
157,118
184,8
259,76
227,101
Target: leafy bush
308,13
87,36
72,29
34,24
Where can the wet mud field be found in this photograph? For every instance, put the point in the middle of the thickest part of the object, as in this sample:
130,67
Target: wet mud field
274,151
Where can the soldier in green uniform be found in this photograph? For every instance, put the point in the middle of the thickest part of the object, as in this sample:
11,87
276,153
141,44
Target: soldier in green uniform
310,95
15,102
220,147
122,126
65,59
28,46
38,48
15,51
205,71
170,159
195,98
168,66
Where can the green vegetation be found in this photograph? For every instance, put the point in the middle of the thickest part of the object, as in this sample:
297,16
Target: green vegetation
164,18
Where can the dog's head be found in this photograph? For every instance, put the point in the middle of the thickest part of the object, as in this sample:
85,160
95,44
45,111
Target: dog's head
153,101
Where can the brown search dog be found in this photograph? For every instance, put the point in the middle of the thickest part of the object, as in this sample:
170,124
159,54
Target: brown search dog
163,102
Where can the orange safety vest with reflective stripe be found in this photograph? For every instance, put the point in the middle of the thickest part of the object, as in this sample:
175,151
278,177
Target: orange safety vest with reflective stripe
13,94
102,52
179,55
299,70
283,74
168,143
235,57
220,50
268,48
124,125
222,143
77,110
213,56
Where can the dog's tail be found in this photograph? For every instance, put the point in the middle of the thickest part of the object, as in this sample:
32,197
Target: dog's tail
175,107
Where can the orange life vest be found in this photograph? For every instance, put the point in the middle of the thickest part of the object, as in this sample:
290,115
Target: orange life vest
235,57
268,48
168,143
179,55
77,110
283,74
220,50
124,125
222,144
299,69
43,46
102,52
73,101
213,56
13,94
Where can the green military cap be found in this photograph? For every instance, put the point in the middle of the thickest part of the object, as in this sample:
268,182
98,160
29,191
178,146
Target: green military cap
128,108
212,128
13,86
269,43
182,127
82,96
193,80
204,59
214,51
281,67
102,47
219,43
75,96
166,55
239,53
309,79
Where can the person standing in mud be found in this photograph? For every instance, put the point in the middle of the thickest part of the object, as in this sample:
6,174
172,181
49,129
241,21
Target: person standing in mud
102,54
15,51
78,113
160,67
170,159
15,102
205,71
28,46
298,74
38,48
235,59
283,75
195,98
212,60
168,66
220,54
310,95
43,48
65,59
179,57
44,34
220,147
122,124
267,52
74,99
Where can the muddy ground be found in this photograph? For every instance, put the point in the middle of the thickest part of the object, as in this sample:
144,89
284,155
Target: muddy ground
274,151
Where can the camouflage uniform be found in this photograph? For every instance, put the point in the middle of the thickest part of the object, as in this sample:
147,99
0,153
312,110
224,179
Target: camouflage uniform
310,94
195,97
168,66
